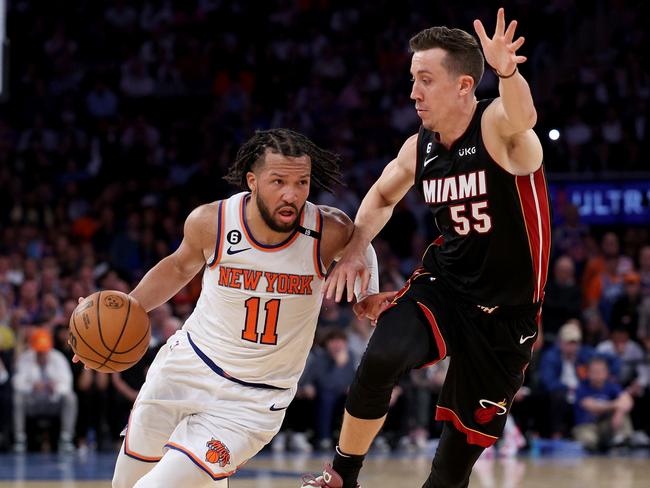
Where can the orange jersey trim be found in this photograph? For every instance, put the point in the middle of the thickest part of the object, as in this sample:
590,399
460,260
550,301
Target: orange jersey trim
201,464
134,455
221,225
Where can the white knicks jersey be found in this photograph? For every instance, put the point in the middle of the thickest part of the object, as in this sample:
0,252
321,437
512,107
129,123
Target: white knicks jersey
257,312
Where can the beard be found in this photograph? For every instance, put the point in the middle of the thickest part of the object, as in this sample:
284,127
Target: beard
275,226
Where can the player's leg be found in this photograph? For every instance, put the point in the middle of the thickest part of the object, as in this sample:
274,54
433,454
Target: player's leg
236,423
453,461
485,372
177,469
403,340
129,470
152,421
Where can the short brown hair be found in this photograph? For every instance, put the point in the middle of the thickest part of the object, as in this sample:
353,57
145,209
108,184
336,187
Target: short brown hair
464,56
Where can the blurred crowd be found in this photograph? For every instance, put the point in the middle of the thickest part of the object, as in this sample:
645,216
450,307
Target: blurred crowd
122,116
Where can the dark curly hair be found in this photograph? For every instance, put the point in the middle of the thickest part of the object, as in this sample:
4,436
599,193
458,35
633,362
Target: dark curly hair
325,171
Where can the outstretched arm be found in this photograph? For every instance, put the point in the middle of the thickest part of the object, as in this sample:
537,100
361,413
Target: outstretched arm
510,117
517,108
172,273
337,230
375,210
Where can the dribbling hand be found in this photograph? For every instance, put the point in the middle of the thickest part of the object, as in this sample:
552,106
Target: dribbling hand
501,52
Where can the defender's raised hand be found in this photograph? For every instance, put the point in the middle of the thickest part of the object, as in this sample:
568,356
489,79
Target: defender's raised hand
500,51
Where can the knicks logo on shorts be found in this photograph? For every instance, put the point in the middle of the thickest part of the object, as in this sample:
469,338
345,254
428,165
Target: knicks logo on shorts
217,453
488,410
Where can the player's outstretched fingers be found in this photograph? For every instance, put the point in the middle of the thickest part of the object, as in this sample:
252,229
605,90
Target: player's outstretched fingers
340,284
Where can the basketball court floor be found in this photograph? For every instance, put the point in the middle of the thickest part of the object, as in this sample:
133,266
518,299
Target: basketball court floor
395,471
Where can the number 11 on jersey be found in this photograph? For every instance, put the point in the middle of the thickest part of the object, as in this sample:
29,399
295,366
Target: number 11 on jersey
272,309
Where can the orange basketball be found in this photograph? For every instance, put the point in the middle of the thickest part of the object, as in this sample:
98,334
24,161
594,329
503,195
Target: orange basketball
109,331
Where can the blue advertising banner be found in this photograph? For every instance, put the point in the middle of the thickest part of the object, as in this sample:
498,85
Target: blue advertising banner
604,202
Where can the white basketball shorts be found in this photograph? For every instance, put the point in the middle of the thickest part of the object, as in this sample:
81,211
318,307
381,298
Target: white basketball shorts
185,405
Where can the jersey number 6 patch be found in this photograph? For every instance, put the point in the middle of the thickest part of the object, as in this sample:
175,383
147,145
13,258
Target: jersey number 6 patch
272,309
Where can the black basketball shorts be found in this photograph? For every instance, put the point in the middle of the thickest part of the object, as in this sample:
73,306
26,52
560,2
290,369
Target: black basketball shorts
489,349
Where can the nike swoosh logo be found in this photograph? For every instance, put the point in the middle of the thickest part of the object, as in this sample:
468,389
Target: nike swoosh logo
273,408
427,161
231,251
523,339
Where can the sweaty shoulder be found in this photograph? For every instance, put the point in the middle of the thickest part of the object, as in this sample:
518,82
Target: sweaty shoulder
337,230
201,227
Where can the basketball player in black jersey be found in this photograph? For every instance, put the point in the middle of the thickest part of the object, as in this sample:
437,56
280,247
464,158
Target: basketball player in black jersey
478,167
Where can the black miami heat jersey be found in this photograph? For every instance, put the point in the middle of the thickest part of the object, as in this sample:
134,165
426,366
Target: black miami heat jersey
495,227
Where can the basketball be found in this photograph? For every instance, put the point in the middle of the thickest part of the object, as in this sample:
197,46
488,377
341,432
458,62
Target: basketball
109,331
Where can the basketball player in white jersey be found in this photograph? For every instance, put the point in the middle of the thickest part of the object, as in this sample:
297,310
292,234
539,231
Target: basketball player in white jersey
217,391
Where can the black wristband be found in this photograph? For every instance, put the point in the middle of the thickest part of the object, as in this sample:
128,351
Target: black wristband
504,77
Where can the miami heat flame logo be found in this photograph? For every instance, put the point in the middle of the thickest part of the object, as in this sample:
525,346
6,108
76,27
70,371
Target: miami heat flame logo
217,453
488,409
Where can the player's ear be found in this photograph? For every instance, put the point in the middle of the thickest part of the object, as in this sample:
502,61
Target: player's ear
251,180
465,84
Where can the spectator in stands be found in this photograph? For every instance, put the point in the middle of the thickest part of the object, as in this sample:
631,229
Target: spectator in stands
562,298
631,357
571,232
333,315
625,311
359,333
299,419
43,387
28,310
330,373
426,385
601,409
562,367
595,329
603,277
644,271
633,375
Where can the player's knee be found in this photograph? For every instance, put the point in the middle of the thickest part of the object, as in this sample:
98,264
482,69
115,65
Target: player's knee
385,363
370,391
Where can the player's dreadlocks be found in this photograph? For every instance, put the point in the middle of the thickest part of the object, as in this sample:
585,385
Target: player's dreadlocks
325,170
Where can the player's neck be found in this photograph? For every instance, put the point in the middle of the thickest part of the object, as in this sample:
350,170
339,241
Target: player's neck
457,125
257,226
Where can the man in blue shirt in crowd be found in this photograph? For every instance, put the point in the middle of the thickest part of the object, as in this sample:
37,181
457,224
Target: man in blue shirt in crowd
601,409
